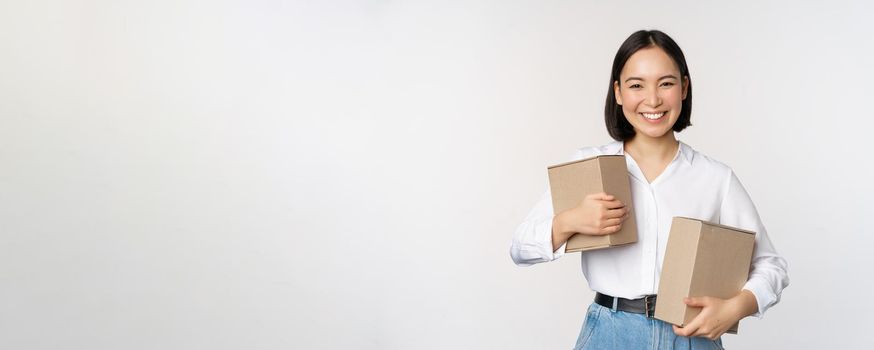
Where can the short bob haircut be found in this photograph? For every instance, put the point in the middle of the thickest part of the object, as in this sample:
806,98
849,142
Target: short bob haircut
618,127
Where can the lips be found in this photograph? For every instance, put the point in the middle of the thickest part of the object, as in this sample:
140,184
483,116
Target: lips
653,116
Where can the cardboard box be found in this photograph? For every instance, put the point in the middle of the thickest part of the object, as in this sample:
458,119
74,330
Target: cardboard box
702,259
570,182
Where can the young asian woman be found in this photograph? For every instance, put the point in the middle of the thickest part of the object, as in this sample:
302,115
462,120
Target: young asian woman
649,100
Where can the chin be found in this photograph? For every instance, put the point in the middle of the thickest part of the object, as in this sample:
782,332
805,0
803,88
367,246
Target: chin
654,134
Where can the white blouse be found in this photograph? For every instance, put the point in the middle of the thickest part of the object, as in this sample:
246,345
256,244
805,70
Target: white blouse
693,185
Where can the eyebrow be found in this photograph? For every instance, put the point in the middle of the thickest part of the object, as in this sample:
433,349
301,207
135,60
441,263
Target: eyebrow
669,76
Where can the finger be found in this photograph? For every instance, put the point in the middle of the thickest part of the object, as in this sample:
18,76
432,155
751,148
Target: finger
616,213
610,229
601,196
612,204
611,222
696,301
695,327
682,331
626,214
625,217
690,329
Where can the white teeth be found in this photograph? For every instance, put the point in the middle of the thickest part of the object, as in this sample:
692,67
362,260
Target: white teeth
653,116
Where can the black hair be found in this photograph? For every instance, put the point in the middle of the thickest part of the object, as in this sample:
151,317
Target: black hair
618,127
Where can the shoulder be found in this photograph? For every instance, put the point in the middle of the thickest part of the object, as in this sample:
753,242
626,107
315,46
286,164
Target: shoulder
706,165
614,147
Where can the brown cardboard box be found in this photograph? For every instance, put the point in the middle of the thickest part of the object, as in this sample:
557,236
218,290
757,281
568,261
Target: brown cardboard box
571,182
702,259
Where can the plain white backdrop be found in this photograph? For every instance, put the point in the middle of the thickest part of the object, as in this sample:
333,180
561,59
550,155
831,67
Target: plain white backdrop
326,175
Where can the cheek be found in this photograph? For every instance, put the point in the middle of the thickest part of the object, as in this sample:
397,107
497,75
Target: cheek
630,115
629,105
675,96
630,100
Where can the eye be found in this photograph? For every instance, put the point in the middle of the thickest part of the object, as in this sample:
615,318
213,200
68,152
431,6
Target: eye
668,84
635,86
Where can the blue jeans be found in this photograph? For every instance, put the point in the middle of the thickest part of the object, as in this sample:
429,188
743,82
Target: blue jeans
606,329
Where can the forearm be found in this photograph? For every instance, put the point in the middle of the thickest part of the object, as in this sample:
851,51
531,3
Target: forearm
560,231
532,239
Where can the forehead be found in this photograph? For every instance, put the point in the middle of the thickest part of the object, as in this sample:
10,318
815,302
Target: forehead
651,62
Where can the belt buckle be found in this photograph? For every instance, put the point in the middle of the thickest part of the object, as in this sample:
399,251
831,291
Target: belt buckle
649,306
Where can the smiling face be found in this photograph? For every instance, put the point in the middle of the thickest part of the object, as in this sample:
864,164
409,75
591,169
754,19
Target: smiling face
651,92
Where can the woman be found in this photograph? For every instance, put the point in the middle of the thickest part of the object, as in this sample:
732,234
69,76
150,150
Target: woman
650,98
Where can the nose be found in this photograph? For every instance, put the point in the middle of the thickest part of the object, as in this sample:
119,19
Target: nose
653,99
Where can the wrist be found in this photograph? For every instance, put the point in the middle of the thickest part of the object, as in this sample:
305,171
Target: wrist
744,304
567,226
561,226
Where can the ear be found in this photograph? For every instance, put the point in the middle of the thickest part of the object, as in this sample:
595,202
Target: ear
619,97
685,86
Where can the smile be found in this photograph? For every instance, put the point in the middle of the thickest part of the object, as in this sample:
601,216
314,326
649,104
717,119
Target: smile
653,116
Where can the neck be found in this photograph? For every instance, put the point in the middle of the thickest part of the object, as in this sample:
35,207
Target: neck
662,148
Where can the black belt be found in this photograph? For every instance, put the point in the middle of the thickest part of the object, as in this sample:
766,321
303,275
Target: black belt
645,305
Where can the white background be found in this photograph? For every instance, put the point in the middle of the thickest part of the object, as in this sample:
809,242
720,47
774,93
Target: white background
326,175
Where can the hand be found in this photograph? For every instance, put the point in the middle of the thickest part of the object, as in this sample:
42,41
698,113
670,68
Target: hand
598,214
717,315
